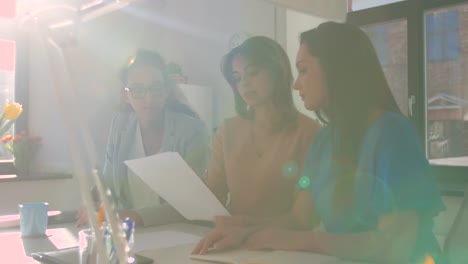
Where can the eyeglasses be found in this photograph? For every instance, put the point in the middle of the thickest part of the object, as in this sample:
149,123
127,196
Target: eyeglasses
140,92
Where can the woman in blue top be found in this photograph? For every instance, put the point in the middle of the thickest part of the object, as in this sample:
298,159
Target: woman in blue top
151,119
371,185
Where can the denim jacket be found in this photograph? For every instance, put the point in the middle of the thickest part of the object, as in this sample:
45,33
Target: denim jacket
181,133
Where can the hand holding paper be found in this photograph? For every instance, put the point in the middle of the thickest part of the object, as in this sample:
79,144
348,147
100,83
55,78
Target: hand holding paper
172,179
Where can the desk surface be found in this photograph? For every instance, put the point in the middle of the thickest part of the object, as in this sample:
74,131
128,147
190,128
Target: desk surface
16,249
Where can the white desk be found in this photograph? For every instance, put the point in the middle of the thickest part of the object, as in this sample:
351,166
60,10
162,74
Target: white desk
179,255
15,249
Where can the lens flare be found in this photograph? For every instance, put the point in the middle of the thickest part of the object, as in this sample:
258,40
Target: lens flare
290,169
304,182
429,260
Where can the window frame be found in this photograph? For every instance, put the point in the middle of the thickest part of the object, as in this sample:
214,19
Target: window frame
21,85
451,178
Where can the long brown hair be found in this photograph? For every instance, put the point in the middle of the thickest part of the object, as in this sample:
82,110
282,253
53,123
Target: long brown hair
356,85
267,54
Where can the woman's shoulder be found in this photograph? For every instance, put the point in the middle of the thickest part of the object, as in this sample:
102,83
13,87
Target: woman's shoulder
233,128
307,123
394,118
234,123
395,137
184,127
306,128
394,125
184,120
121,120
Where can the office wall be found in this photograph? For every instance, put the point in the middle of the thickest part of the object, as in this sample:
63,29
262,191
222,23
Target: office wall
194,34
296,23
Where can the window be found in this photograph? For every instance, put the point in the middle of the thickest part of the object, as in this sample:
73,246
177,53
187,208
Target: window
380,38
447,85
430,43
13,73
7,81
7,55
442,35
391,44
355,5
8,9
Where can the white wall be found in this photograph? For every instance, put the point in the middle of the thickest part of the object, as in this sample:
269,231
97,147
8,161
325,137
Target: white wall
330,9
296,23
363,4
194,34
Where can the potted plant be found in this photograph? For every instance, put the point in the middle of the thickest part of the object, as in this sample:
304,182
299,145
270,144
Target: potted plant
24,148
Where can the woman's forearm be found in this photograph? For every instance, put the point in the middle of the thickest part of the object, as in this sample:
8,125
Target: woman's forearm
366,246
287,221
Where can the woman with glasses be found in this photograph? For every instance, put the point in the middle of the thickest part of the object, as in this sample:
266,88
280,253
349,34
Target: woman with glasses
367,172
257,156
151,119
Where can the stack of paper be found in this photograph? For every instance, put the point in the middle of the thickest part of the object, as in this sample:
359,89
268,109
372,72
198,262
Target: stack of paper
173,179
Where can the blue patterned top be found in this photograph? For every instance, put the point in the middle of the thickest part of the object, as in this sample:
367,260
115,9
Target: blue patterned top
393,175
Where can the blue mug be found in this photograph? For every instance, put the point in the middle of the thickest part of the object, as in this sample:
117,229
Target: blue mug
33,219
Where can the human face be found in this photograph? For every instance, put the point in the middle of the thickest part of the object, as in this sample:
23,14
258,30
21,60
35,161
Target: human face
252,82
310,81
145,91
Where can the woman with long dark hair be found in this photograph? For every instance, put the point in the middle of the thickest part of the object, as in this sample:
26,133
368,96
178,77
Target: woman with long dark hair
257,156
151,119
371,184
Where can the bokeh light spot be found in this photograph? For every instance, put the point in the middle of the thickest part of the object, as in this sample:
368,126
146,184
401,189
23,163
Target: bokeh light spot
304,182
429,260
290,169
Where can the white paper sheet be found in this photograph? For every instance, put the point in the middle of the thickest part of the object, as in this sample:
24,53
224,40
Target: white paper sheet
280,257
163,239
173,179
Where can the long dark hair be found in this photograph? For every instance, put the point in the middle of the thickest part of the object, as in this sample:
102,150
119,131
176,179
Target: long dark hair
266,54
151,58
356,85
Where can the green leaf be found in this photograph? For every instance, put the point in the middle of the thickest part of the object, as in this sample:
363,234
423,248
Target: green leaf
11,147
6,127
2,118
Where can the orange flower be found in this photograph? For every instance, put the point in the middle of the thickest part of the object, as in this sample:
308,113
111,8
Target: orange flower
7,138
429,260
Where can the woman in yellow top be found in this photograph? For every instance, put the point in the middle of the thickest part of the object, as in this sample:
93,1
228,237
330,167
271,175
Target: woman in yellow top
257,156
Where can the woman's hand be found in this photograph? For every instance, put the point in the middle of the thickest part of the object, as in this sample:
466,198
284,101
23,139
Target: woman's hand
275,239
230,232
222,238
238,221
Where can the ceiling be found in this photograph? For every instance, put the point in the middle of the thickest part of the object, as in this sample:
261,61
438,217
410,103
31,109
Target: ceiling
54,12
50,12
330,9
